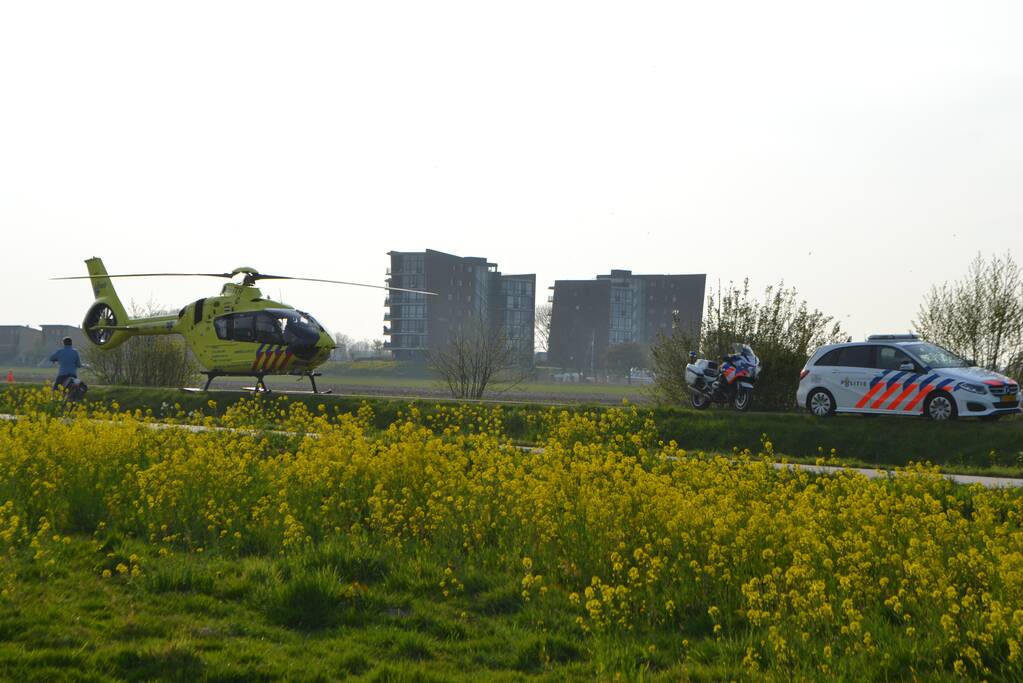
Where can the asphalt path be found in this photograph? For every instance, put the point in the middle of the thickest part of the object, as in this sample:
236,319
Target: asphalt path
413,396
964,479
354,387
830,470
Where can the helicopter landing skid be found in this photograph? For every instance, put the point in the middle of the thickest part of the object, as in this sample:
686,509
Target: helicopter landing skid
261,387
210,376
312,380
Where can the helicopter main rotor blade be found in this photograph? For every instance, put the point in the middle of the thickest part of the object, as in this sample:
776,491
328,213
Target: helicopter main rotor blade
251,277
341,282
87,277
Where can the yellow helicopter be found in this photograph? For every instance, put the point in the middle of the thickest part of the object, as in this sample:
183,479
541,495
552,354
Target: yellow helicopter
239,333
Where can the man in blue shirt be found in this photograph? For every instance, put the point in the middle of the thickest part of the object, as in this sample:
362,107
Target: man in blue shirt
68,362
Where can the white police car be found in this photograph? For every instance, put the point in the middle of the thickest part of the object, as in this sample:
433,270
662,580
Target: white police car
893,374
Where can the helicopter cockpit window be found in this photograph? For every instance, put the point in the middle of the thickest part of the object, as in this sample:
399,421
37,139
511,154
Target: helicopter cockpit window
297,327
236,327
269,326
314,321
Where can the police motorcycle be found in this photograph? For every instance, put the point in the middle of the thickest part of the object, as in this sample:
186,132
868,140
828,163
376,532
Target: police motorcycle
730,381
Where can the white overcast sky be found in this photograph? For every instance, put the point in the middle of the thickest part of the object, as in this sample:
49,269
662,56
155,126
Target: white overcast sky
859,151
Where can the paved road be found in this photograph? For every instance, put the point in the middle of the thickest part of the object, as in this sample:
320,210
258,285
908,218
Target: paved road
963,479
353,387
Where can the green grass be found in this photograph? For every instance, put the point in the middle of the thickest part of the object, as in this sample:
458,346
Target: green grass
30,373
334,612
381,380
966,446
425,383
328,613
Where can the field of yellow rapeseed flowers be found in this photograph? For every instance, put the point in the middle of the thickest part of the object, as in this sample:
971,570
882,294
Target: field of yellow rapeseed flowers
639,558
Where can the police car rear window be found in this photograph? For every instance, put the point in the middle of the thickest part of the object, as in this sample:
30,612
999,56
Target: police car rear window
856,357
847,356
830,358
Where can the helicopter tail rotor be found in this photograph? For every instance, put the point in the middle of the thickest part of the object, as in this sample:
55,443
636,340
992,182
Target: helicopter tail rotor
98,320
107,312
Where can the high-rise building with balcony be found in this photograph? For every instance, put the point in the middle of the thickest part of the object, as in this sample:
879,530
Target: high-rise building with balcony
467,290
590,316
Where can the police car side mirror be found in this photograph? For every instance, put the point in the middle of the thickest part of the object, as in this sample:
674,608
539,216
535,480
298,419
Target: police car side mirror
907,366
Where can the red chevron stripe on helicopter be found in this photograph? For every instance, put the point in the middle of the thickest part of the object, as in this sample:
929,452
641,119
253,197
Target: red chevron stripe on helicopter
266,356
271,358
259,353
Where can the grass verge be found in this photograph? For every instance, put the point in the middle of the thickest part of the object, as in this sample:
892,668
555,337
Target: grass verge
332,612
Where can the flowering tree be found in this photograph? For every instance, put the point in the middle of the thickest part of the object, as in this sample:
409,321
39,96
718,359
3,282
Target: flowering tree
980,316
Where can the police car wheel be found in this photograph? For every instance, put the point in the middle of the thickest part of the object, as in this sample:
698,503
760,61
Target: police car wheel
820,403
940,407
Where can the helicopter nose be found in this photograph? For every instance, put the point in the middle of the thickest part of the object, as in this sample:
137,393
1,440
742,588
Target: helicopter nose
319,349
326,346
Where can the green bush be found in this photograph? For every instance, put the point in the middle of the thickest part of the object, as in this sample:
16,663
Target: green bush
782,331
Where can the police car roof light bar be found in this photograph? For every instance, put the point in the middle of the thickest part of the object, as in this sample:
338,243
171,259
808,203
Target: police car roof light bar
891,337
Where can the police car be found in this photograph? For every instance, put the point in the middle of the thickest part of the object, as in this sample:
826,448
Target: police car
893,374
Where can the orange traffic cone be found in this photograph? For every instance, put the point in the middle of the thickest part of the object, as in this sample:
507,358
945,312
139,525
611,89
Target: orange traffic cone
10,376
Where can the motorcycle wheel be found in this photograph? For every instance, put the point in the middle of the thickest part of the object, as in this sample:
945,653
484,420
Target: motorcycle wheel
698,401
743,399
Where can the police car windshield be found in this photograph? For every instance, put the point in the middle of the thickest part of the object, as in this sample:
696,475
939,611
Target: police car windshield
936,357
